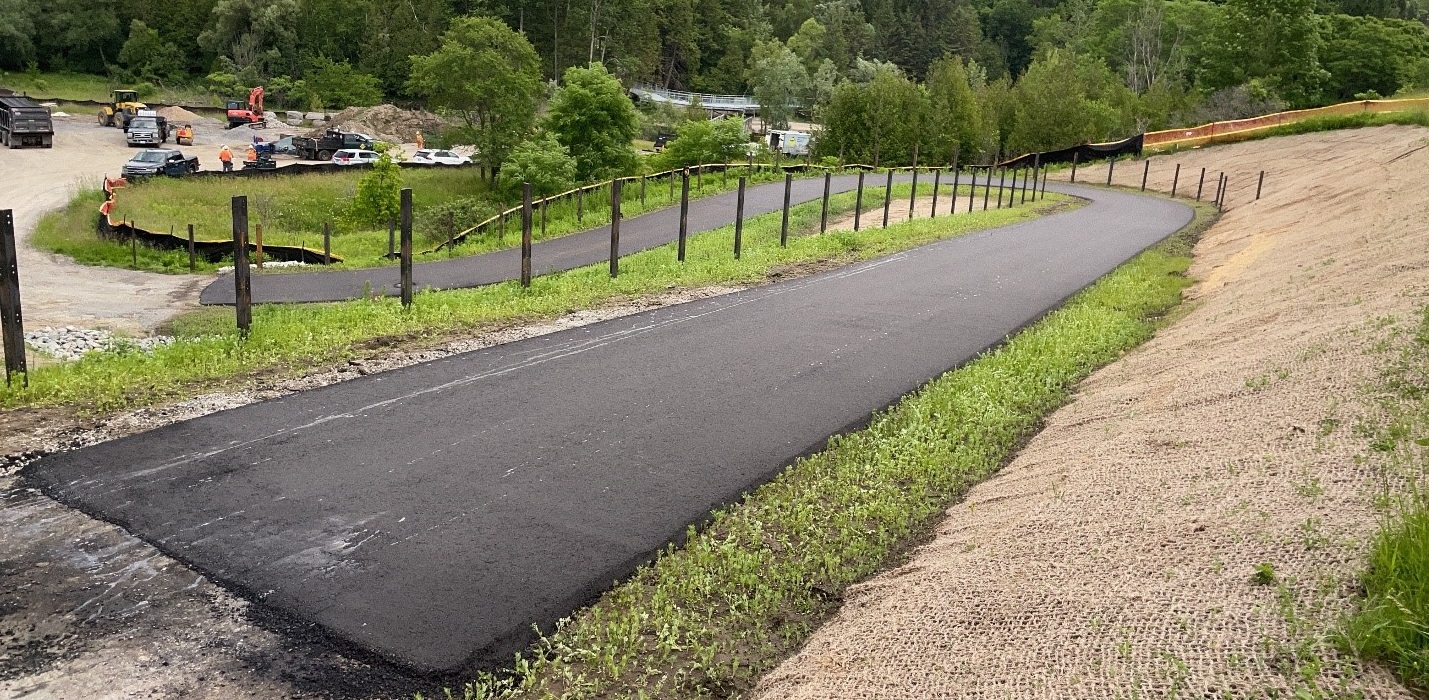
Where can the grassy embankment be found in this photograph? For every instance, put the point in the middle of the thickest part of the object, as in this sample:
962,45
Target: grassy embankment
292,339
82,86
709,617
1393,623
292,210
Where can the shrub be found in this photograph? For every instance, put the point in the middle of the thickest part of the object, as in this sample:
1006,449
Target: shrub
379,194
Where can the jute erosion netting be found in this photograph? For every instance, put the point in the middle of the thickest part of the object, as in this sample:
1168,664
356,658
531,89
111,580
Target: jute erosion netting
1115,556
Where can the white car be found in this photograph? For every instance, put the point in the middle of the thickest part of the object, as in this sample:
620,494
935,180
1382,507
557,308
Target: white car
353,156
432,155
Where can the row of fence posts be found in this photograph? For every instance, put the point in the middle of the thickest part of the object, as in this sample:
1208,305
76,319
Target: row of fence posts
1222,181
1024,181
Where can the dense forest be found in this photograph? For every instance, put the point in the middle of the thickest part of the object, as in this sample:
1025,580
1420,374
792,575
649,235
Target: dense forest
987,74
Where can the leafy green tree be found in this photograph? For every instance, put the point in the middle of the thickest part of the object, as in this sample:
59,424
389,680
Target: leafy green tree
779,81
1371,54
875,122
808,43
489,76
955,120
333,84
146,56
1274,41
379,194
397,31
17,29
848,34
257,34
593,117
542,161
702,141
1065,100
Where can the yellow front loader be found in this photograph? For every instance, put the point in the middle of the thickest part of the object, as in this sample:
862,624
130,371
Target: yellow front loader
123,106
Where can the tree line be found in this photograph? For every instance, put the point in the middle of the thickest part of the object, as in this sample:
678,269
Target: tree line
882,76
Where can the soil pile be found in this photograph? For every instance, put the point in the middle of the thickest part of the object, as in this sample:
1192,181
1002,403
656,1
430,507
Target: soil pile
386,123
1116,556
179,115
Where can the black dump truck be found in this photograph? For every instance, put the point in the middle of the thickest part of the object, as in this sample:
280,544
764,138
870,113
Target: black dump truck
25,123
330,142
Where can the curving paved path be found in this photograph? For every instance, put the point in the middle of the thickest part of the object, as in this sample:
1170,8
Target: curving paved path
431,514
638,233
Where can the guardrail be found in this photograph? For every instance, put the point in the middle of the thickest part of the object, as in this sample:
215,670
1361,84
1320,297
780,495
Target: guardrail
742,102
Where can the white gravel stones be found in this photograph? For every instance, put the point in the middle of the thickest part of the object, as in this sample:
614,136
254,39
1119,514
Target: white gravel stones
252,266
70,343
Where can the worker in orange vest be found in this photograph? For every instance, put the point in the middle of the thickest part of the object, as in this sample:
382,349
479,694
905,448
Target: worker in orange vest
420,143
252,154
226,156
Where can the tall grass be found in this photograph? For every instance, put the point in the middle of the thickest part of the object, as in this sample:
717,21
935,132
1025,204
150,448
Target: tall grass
1393,623
709,617
290,338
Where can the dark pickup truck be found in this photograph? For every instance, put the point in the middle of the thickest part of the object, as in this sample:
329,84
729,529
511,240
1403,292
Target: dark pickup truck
330,142
25,122
159,161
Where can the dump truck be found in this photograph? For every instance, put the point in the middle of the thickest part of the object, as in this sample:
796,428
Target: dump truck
25,123
122,106
332,140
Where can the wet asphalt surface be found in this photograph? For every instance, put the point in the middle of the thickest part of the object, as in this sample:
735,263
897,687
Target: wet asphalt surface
432,514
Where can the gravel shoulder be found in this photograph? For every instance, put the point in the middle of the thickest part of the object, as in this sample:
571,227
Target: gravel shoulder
1115,556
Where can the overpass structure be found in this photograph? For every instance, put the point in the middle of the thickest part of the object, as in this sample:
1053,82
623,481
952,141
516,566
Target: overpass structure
732,104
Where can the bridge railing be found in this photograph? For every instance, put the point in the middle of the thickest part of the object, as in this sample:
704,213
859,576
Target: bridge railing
680,96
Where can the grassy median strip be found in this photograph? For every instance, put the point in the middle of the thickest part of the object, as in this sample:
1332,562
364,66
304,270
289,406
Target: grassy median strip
208,355
293,209
1393,623
709,617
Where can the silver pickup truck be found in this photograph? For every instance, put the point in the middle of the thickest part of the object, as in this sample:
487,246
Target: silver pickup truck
147,128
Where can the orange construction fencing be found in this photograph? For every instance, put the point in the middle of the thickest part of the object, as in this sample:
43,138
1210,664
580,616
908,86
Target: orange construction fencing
1209,133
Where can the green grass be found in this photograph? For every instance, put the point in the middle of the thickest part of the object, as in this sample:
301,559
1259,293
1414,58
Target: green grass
289,339
709,617
292,210
83,86
1393,623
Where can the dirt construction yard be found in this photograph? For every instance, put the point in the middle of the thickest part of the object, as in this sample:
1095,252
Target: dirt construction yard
1112,558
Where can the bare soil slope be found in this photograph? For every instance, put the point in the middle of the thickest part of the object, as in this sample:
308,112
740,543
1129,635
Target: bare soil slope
1114,557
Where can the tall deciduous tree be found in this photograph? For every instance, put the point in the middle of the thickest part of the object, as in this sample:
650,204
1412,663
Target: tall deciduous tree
1276,42
779,82
593,117
955,120
490,77
1064,99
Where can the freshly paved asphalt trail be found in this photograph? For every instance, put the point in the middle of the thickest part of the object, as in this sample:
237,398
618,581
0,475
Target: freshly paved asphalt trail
431,514
637,233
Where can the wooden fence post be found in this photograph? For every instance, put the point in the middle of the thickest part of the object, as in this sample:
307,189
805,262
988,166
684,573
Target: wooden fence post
327,242
887,197
1201,184
451,234
858,203
580,205
12,323
987,189
739,219
913,196
242,292
191,249
1175,180
391,239
615,227
937,182
1001,184
1258,183
1075,155
258,245
1110,167
406,214
824,213
1145,171
525,234
784,223
684,212
972,189
133,245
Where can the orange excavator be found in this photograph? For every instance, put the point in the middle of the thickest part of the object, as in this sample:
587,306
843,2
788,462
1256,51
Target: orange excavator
252,113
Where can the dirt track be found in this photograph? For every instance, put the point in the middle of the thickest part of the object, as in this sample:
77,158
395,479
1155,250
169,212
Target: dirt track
1114,556
56,291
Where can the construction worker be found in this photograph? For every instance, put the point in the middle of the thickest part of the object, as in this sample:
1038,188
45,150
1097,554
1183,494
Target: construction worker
252,154
226,156
420,143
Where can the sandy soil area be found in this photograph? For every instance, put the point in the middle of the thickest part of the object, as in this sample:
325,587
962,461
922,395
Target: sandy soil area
1114,556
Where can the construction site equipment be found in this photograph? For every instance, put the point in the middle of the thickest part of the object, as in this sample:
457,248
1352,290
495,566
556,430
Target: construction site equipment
25,123
252,113
122,106
146,128
330,142
185,135
789,142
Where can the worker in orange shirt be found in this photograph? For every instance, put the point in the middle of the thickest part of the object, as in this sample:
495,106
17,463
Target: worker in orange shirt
226,156
252,155
420,142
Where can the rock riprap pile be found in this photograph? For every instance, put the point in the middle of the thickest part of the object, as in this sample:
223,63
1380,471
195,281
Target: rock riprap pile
70,343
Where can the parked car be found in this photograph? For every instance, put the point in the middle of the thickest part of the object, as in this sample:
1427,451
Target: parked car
159,161
433,155
353,156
